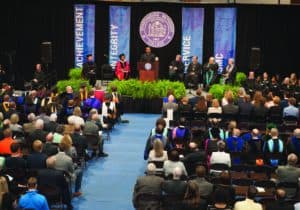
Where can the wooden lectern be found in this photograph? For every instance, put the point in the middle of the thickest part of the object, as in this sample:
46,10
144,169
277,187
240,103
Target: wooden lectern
148,71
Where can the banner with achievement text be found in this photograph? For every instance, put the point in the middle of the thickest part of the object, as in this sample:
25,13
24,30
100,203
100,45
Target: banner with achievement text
119,33
192,34
224,35
84,32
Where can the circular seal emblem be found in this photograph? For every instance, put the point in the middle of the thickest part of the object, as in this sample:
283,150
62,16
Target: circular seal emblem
148,66
157,29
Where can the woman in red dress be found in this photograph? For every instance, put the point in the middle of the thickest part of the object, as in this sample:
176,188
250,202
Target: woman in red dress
122,68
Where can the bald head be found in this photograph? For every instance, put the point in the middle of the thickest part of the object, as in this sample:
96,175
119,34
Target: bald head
193,146
292,159
280,194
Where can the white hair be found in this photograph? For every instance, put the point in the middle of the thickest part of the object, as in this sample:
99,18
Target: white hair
53,117
151,168
39,124
31,117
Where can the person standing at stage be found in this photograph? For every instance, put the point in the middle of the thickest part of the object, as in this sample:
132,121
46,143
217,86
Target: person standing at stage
122,68
89,69
194,72
210,72
229,72
148,56
176,69
39,76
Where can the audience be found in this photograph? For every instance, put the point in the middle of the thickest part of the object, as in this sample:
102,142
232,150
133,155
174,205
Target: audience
158,153
220,157
147,190
205,187
291,110
6,142
37,159
249,203
32,199
192,198
280,201
173,162
175,186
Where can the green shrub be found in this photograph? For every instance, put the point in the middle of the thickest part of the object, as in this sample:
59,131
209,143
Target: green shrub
75,81
148,90
75,73
240,78
218,90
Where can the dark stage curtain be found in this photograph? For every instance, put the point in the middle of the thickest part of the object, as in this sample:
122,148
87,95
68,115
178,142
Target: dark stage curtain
24,25
275,31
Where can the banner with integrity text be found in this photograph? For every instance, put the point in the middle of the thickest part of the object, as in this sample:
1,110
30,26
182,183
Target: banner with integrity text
84,32
192,34
224,35
119,33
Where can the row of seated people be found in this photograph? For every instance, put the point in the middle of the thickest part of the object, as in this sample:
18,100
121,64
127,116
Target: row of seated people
250,147
208,191
48,151
258,109
46,102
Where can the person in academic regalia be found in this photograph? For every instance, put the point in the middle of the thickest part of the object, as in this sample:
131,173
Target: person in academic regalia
250,84
122,68
229,72
176,69
194,73
210,71
265,82
89,69
148,56
39,77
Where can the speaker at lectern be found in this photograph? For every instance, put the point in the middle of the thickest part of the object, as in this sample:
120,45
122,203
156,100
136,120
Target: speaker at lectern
148,71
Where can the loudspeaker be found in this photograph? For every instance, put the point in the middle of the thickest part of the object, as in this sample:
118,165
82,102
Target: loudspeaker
254,58
46,52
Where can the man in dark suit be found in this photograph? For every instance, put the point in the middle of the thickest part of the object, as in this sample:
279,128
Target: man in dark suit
148,56
56,178
196,156
37,159
280,202
148,185
38,133
229,72
79,141
89,69
230,108
205,187
176,186
194,73
15,161
176,69
194,100
289,172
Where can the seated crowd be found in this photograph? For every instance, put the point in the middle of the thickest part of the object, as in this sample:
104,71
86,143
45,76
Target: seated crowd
46,139
240,152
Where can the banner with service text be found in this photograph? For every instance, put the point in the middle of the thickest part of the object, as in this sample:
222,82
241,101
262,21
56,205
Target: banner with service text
192,34
119,33
224,35
84,32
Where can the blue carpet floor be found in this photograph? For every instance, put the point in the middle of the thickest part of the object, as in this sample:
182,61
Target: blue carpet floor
108,182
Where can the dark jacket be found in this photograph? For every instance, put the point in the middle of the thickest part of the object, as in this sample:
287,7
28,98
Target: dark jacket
36,160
